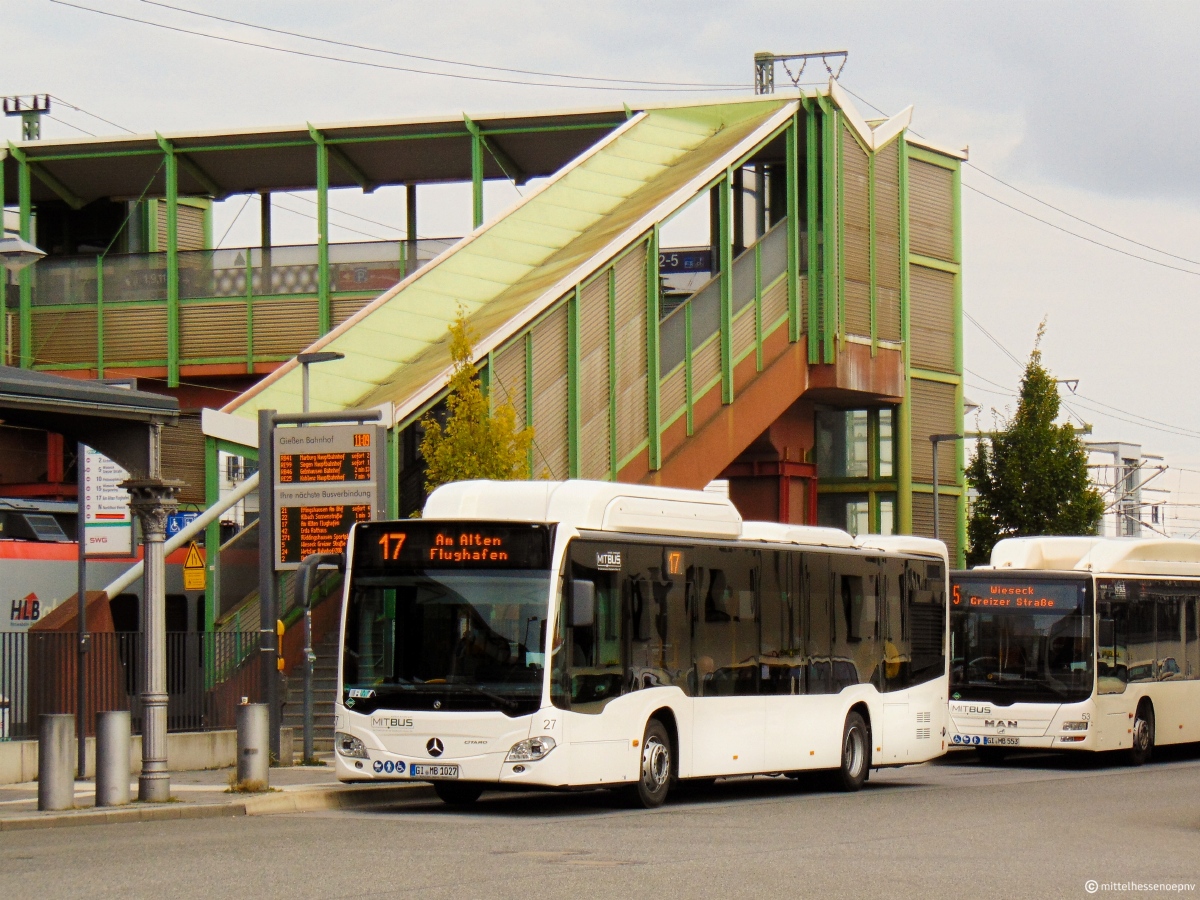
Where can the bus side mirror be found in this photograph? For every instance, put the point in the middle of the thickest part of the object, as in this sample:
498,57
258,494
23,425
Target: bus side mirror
1107,632
583,604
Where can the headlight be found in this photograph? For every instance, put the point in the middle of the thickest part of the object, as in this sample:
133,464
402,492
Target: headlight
531,750
349,745
1074,726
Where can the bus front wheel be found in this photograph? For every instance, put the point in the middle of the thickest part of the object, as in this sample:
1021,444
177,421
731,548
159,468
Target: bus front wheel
654,772
856,754
1143,735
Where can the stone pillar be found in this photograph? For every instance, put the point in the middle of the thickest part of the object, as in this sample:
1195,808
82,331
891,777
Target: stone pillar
152,500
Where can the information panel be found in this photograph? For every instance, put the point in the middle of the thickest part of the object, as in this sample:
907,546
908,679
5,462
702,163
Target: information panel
108,523
327,478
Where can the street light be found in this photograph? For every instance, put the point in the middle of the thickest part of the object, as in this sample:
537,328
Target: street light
307,359
16,254
936,439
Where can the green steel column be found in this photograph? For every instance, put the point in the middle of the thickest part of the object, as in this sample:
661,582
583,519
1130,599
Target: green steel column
959,447
394,436
871,254
323,311
266,273
212,533
725,205
839,188
573,383
476,178
529,395
829,248
814,254
687,365
612,373
25,278
172,178
99,316
653,360
792,173
904,414
758,323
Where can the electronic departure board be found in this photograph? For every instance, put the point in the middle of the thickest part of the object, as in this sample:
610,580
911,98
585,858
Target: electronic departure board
327,478
1005,595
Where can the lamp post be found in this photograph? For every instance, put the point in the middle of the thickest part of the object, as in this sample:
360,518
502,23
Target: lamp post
16,254
936,439
308,359
310,658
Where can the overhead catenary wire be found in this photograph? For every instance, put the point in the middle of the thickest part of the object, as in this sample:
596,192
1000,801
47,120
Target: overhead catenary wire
378,65
444,61
1058,209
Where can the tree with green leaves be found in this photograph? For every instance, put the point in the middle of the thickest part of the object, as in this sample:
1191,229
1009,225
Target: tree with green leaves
1031,474
478,439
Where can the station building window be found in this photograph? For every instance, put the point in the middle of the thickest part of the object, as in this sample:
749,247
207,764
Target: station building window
855,455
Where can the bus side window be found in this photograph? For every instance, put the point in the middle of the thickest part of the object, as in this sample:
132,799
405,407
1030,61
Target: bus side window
727,633
818,619
897,642
1111,657
926,620
1191,649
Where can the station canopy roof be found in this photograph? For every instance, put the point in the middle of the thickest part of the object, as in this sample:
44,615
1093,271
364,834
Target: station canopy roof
364,155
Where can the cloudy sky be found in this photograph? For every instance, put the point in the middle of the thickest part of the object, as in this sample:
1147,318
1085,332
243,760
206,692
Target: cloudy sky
1085,107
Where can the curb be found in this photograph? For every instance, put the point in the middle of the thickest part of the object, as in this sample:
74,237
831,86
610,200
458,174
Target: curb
312,800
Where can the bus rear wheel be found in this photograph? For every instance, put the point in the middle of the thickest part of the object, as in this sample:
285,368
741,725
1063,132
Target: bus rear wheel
1143,735
856,754
458,793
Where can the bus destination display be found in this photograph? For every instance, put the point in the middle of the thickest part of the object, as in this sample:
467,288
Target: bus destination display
326,480
454,545
1016,596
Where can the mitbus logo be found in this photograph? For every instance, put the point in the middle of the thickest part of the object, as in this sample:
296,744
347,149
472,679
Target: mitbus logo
27,610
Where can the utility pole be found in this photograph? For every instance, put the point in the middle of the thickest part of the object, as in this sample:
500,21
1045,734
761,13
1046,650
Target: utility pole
764,67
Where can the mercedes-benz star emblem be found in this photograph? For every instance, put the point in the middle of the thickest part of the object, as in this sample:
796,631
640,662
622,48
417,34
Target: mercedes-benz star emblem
435,747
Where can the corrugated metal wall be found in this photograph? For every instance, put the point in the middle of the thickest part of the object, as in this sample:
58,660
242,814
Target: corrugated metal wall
887,242
134,333
856,247
509,377
931,210
550,395
284,327
593,379
189,227
183,456
631,352
922,505
207,330
932,327
932,413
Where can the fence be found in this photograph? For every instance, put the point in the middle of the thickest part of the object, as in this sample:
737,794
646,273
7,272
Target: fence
207,676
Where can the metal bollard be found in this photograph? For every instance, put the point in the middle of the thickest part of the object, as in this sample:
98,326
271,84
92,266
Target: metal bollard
56,761
253,747
112,758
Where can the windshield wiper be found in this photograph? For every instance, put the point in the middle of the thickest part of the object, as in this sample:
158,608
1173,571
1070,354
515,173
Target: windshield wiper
480,692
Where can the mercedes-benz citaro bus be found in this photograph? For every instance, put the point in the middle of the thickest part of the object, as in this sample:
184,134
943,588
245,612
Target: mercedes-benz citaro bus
571,635
1077,643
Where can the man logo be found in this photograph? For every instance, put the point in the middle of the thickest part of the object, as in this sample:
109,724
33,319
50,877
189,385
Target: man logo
435,747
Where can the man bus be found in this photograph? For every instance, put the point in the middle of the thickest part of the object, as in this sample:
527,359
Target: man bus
1071,643
593,635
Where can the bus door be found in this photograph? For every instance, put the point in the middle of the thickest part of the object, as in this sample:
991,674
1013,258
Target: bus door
728,709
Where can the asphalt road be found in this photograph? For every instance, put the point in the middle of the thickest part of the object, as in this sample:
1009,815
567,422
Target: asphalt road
1036,827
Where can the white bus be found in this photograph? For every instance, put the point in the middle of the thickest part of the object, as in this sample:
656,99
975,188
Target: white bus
595,635
1073,643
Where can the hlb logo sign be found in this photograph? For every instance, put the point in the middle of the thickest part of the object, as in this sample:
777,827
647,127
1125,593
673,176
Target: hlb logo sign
27,611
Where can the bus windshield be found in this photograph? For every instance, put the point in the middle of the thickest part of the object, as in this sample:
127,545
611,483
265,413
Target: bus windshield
1021,640
447,616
